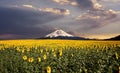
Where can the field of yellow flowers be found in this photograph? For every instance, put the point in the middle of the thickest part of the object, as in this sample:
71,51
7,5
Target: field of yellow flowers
59,56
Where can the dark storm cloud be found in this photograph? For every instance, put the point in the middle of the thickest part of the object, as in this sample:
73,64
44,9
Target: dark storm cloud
83,4
88,4
22,21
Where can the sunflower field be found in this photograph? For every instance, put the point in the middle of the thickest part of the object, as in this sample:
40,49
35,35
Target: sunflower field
59,56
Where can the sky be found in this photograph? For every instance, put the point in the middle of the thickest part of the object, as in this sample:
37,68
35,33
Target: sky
37,18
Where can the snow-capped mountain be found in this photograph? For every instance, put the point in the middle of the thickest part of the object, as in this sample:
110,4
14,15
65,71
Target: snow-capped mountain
59,33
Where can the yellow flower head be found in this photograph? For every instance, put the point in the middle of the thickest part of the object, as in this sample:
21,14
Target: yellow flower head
39,59
60,52
24,57
116,54
48,69
47,52
41,50
28,49
52,50
54,54
44,57
22,50
31,59
119,69
18,49
72,55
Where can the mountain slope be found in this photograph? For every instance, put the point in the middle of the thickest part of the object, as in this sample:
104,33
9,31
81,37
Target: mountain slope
115,38
59,33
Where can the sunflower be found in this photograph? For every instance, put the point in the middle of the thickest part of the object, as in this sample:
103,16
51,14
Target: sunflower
48,69
44,57
31,59
24,57
54,54
60,52
116,54
39,59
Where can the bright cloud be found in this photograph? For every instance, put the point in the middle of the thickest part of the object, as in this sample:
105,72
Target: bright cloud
61,1
56,11
98,6
70,2
111,0
29,6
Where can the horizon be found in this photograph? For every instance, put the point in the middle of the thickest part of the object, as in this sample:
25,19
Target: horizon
94,19
86,36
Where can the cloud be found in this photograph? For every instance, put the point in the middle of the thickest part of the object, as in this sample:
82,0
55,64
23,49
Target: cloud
31,18
6,36
110,0
101,14
56,11
63,2
89,4
20,21
98,18
95,15
29,6
98,6
84,4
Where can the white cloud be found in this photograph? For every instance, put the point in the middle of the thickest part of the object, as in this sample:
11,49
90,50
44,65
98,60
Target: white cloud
70,2
111,0
28,6
88,16
110,11
56,11
62,1
98,6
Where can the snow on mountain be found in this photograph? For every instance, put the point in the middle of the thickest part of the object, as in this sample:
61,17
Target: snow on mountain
59,33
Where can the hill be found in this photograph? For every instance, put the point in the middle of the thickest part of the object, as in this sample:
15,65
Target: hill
115,38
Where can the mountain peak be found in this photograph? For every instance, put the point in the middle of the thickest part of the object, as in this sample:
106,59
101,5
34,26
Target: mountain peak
58,33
